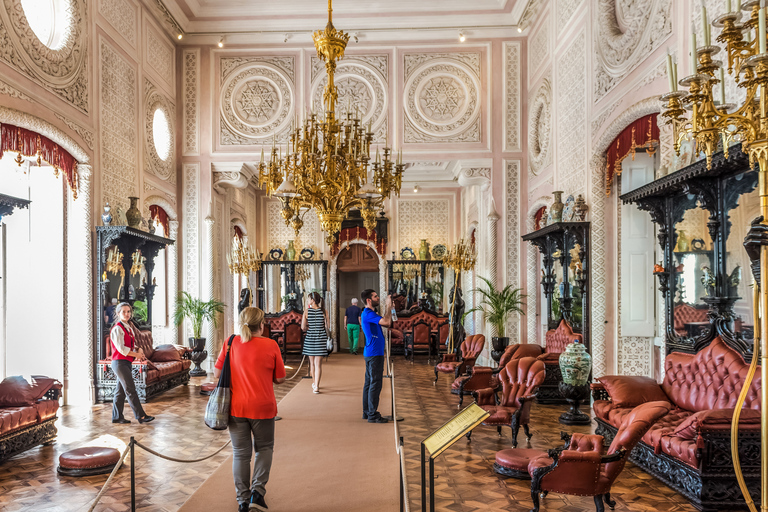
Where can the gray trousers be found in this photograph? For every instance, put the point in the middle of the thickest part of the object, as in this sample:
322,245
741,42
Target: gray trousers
125,387
250,436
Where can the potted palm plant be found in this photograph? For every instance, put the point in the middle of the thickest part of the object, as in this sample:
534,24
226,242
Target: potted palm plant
496,306
197,312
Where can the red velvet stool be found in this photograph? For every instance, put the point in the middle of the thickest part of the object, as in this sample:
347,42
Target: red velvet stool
207,388
514,462
90,460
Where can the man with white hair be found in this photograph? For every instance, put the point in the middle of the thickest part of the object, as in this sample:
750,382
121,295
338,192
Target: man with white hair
352,321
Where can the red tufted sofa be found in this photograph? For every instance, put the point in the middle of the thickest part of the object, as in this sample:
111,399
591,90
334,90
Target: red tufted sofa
404,324
277,322
689,448
556,341
685,314
153,376
27,419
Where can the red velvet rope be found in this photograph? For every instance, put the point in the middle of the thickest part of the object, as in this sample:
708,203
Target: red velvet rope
643,133
30,144
359,233
158,213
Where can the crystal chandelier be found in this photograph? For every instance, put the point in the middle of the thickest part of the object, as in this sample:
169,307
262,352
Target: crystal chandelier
711,121
327,164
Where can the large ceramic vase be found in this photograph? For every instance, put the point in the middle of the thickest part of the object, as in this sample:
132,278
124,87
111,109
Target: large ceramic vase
198,356
575,366
290,251
556,210
133,215
424,250
499,345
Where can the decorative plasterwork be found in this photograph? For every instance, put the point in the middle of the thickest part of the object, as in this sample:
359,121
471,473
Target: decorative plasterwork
627,31
160,55
565,9
191,95
154,99
530,13
230,175
512,234
191,187
35,124
512,96
572,117
256,98
428,219
538,49
442,97
361,82
84,133
278,233
151,190
63,71
123,16
118,126
163,14
540,128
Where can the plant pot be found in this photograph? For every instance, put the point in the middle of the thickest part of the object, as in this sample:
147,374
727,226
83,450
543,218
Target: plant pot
499,344
198,356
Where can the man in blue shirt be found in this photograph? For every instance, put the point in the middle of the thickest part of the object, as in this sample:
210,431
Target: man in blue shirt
352,321
375,348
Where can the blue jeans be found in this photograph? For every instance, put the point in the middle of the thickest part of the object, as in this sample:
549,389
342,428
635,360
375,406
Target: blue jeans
374,368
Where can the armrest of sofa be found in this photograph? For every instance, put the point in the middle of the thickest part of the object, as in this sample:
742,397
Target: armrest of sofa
486,396
479,378
599,392
716,420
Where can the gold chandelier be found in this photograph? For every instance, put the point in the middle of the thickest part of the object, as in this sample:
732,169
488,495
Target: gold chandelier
327,164
710,122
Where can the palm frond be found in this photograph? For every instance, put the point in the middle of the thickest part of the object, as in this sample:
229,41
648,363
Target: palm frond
497,304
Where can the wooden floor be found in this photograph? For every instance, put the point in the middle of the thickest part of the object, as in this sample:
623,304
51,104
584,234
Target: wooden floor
465,481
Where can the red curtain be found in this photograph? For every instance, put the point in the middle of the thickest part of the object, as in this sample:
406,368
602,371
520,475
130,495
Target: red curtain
359,233
158,214
643,133
239,233
31,144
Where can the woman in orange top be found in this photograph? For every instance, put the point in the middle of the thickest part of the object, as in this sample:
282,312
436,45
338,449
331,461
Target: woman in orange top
255,364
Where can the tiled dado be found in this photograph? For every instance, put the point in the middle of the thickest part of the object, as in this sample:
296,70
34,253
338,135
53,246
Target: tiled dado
465,481
29,480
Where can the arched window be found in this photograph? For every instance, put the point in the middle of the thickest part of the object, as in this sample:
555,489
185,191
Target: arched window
161,134
50,20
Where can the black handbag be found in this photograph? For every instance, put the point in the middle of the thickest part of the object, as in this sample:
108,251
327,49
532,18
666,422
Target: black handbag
220,401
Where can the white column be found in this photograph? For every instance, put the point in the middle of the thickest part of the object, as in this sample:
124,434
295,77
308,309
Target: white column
80,320
492,274
172,333
210,266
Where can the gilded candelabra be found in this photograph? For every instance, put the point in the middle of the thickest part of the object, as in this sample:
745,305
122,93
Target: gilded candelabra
327,164
461,258
114,263
711,121
242,259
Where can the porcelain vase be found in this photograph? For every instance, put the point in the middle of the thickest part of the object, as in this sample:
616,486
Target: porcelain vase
424,250
290,251
133,215
556,210
575,364
683,244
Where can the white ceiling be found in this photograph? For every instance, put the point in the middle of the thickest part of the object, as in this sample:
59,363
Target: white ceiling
367,18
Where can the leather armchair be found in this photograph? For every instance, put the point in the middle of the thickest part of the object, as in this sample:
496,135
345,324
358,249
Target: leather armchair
579,467
479,377
293,337
443,331
520,379
419,339
453,364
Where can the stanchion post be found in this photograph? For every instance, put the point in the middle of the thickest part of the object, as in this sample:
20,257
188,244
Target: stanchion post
423,478
133,476
431,484
402,487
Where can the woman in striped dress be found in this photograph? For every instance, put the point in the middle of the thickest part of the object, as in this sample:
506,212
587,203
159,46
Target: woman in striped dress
315,323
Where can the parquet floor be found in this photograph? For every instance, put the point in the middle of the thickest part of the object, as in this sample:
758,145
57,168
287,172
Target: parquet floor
465,481
29,480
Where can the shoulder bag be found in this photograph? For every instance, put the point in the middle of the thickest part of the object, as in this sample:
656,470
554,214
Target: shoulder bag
217,410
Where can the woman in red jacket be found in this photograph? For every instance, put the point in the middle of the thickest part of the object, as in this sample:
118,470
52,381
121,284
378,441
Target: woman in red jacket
255,364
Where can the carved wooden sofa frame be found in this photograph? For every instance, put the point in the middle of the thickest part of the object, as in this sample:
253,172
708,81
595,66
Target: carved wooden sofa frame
41,432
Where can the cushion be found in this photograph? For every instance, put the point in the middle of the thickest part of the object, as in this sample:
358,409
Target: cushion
165,353
689,428
631,390
41,385
16,392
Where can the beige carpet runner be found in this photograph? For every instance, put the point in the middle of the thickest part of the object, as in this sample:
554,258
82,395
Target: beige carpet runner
327,458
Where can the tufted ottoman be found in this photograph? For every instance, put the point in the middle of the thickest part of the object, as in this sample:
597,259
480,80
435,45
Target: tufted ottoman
90,460
514,462
207,387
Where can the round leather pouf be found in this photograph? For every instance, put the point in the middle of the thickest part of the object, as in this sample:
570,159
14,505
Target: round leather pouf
514,462
90,460
207,387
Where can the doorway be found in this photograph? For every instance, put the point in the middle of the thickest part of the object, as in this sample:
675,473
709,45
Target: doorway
358,269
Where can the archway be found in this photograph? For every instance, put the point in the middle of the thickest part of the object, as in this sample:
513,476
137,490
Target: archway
170,332
532,255
77,301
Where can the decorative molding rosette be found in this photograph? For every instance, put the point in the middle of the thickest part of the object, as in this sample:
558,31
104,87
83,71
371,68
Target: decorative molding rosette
62,70
154,99
256,101
540,129
442,102
627,31
362,88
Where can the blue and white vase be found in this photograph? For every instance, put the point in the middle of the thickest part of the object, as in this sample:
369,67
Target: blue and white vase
575,364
